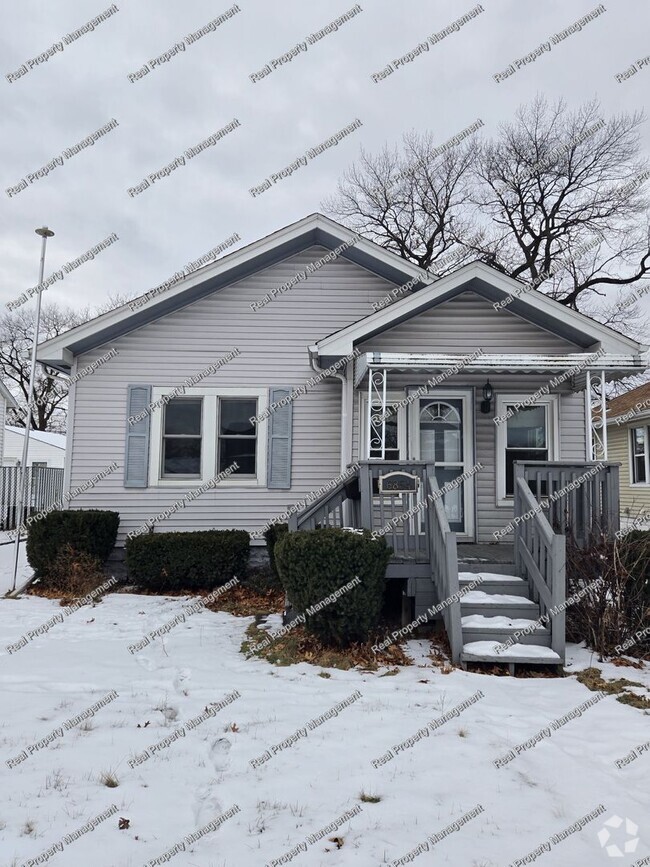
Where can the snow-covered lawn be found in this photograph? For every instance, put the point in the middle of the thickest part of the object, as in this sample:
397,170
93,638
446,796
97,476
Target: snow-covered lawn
317,776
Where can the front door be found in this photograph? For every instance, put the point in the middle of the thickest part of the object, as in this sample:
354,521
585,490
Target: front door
442,434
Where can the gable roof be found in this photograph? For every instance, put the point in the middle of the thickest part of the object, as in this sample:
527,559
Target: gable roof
493,285
634,404
313,230
317,229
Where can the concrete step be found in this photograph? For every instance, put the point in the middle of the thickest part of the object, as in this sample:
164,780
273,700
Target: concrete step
493,582
477,627
498,605
486,651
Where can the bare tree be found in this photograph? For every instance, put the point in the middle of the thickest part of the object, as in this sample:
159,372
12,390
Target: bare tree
556,199
50,388
565,194
412,202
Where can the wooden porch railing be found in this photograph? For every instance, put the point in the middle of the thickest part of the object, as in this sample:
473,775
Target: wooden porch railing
384,512
540,558
338,507
444,566
559,499
581,499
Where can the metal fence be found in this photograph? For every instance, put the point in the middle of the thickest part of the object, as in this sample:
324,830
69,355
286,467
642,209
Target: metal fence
44,489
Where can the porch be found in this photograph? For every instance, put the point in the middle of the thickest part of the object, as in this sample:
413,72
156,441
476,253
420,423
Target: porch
517,615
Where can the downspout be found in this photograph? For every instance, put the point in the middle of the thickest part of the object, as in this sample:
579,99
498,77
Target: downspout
346,419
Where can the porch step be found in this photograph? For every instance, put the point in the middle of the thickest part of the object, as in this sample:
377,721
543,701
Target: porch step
473,567
495,582
485,651
477,627
510,605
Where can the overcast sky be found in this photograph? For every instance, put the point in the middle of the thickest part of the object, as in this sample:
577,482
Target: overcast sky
179,103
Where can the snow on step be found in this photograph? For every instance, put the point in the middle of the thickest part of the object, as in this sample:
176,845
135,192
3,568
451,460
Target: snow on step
487,650
489,576
479,597
500,622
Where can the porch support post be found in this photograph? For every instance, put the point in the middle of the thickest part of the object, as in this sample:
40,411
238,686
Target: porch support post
589,426
603,413
377,412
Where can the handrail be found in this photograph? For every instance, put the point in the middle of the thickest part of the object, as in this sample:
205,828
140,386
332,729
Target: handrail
444,565
534,506
540,558
297,520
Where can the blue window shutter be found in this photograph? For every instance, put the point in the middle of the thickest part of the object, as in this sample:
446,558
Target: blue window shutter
278,469
136,458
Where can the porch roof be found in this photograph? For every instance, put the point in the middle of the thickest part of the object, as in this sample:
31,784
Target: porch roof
617,366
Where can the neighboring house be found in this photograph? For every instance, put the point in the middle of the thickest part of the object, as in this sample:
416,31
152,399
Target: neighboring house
437,361
7,401
46,449
628,442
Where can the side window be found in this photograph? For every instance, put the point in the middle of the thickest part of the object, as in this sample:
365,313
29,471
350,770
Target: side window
639,446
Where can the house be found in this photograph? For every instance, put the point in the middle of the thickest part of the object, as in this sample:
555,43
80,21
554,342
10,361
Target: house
317,376
627,436
44,481
7,401
46,449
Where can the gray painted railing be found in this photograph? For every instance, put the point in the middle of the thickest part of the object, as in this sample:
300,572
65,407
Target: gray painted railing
329,510
581,499
444,565
540,558
395,515
559,499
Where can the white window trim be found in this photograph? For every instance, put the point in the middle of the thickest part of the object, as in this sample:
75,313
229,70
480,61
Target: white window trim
391,398
551,402
209,444
646,429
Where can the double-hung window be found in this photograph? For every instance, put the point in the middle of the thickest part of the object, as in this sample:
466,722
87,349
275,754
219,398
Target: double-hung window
206,431
640,455
525,434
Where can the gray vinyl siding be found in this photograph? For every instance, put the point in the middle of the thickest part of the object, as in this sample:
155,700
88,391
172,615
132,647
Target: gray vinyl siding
464,324
273,343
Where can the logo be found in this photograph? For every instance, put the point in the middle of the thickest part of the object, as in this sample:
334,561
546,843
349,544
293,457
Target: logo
606,833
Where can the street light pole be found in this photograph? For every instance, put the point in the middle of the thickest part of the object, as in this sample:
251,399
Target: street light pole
44,233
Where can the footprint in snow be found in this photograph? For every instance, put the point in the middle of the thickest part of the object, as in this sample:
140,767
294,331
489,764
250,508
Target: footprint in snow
206,805
182,680
145,662
219,754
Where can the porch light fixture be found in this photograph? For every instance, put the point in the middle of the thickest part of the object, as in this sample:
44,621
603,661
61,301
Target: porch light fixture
488,393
